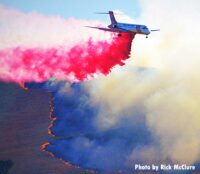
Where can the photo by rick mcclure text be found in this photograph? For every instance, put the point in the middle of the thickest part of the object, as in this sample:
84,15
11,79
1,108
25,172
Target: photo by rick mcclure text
154,167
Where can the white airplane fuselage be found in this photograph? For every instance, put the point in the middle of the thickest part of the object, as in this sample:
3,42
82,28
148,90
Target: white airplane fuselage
124,27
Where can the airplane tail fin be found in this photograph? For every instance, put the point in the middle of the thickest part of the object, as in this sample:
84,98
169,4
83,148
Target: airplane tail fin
112,17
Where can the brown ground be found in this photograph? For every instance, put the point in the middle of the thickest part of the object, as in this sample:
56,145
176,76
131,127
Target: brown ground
24,118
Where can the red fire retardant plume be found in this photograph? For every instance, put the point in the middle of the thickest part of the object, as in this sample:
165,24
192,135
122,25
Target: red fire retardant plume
80,62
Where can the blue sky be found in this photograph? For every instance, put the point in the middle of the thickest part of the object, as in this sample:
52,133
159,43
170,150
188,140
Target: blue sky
75,8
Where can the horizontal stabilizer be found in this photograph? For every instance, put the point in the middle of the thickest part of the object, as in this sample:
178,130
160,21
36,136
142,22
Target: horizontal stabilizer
101,13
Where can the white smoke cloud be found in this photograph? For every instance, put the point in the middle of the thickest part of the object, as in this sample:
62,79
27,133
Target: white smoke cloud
166,90
35,30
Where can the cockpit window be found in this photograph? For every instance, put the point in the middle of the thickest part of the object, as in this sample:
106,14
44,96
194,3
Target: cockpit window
144,28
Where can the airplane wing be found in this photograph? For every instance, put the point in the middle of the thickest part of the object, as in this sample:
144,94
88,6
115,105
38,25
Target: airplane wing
100,28
109,29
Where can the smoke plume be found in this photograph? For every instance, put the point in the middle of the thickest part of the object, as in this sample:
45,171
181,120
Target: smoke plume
139,115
